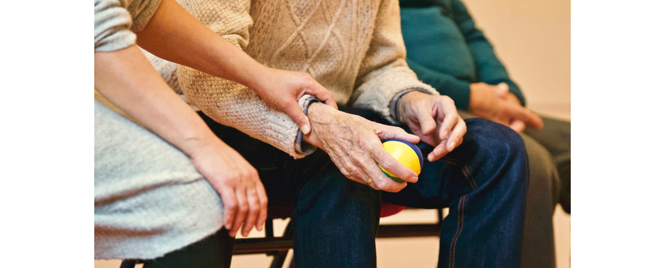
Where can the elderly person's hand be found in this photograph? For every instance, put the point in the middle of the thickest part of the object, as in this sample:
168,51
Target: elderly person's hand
434,119
497,104
355,146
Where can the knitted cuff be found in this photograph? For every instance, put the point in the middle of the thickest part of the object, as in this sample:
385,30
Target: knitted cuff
300,146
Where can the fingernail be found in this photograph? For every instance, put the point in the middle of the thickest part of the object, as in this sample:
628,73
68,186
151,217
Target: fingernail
451,146
305,129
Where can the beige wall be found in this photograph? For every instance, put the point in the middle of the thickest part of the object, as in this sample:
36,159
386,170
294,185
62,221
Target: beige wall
532,39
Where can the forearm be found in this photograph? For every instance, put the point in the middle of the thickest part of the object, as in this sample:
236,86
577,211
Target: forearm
127,80
232,104
175,35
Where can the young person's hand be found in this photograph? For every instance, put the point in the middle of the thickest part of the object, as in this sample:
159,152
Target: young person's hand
281,89
236,181
434,119
497,104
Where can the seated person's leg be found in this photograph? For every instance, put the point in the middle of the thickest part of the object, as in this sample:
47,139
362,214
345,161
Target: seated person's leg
555,137
213,251
483,182
149,199
335,220
538,248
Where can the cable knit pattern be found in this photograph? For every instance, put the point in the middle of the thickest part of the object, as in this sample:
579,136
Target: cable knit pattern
353,48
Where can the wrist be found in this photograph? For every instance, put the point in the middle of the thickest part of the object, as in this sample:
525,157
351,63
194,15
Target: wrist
476,96
317,115
403,103
257,77
201,143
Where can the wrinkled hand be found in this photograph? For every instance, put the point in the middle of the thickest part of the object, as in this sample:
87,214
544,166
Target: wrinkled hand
354,145
238,184
282,89
497,104
434,119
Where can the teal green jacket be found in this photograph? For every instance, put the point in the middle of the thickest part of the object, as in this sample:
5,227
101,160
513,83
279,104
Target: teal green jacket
447,51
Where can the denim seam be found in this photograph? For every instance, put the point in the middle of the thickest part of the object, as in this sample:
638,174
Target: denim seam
465,170
459,227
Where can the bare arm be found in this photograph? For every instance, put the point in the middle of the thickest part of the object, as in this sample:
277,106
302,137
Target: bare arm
128,80
175,35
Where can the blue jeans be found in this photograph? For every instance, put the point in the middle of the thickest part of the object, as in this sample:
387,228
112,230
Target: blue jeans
335,219
483,182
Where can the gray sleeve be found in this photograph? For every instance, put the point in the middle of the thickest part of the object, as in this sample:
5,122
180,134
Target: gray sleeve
117,20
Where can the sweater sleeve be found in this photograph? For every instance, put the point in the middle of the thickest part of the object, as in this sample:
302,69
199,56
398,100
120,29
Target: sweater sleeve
230,103
384,73
117,20
489,68
448,85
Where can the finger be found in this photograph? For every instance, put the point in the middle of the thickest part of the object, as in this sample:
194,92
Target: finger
527,116
241,212
385,132
349,168
425,118
322,94
294,111
451,117
253,211
437,152
381,180
390,164
501,90
517,125
263,204
456,136
229,201
374,186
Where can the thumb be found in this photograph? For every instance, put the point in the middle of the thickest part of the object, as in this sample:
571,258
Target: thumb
527,116
385,132
322,94
293,110
501,90
517,125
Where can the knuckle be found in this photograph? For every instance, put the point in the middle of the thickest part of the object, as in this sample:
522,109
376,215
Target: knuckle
263,203
357,159
232,205
243,207
254,208
346,172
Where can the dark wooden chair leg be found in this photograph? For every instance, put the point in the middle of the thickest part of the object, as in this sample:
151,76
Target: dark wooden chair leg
280,256
128,264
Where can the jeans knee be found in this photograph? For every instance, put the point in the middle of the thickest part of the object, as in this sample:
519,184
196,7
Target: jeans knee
497,139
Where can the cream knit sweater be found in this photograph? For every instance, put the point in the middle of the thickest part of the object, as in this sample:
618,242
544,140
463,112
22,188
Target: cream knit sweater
354,48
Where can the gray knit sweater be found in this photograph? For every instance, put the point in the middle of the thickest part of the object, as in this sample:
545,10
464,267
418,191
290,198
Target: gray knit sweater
149,199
